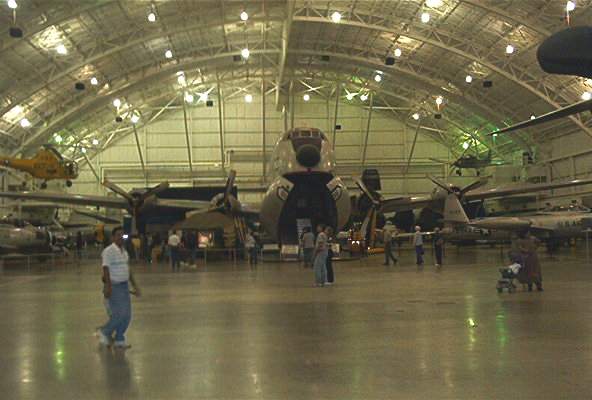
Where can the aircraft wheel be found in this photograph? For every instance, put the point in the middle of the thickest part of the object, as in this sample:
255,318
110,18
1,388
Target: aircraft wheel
69,183
459,172
44,185
499,289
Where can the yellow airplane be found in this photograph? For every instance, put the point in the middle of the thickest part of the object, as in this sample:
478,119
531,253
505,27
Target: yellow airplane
47,164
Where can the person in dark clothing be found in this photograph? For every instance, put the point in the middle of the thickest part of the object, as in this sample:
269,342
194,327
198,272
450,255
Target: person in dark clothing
79,244
527,245
190,243
438,247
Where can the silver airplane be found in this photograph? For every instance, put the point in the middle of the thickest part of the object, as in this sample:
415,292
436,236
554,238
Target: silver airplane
17,236
304,187
551,226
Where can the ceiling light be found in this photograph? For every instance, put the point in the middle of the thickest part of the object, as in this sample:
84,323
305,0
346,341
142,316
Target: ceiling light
570,6
135,118
439,100
350,96
378,77
181,80
61,49
152,17
116,103
12,4
249,98
415,116
94,81
188,97
509,49
532,116
83,150
586,96
465,145
95,142
336,17
468,79
398,52
25,123
306,97
203,97
433,3
168,54
58,139
244,16
364,97
245,53
425,17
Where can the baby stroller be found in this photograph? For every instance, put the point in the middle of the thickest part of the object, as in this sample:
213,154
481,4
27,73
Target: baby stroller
508,276
506,281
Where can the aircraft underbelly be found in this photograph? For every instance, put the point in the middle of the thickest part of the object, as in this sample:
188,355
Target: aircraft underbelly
318,198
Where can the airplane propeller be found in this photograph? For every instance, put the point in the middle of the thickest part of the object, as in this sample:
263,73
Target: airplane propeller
136,200
373,198
460,192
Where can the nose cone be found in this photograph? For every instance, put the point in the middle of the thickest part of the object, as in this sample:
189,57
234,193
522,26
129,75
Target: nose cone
308,156
567,52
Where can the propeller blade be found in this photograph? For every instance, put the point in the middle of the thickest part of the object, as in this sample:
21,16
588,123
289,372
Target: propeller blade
117,189
438,182
366,191
474,185
157,189
229,184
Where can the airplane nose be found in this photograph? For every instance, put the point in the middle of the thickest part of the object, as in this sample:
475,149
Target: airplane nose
308,156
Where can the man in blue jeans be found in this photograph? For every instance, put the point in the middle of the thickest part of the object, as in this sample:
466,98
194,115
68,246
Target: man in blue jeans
116,275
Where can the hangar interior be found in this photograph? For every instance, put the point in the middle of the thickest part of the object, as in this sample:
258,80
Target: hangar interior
139,92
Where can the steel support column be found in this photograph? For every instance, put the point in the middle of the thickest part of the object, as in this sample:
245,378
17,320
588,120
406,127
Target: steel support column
263,129
187,136
92,168
368,129
220,121
139,150
412,147
337,94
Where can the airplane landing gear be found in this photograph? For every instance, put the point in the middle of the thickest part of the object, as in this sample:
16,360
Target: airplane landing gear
69,183
44,185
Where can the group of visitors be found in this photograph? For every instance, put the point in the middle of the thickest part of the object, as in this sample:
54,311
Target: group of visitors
389,233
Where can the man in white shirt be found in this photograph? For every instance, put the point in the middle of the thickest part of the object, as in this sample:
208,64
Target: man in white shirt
387,238
173,243
308,244
116,275
418,242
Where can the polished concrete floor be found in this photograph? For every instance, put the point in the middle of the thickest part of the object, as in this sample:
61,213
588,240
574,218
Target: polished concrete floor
231,332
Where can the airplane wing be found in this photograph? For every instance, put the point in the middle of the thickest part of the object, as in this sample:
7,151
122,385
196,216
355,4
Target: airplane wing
101,201
396,204
551,116
183,204
502,223
199,221
509,190
99,217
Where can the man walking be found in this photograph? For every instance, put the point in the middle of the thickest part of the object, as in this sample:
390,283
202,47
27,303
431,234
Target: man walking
116,275
438,247
173,243
387,238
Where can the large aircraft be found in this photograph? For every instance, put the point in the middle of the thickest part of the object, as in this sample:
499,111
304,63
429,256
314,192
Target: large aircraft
564,53
551,226
47,164
19,237
304,187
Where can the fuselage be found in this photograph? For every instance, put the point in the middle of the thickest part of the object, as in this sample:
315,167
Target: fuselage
305,190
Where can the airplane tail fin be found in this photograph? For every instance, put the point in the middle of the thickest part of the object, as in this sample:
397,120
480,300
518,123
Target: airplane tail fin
453,211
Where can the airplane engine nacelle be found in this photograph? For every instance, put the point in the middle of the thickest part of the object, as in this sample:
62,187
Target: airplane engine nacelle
273,204
340,195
